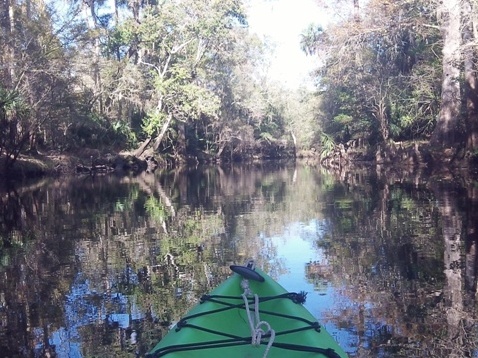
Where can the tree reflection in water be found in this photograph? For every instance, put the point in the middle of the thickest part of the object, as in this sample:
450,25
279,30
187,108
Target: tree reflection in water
103,266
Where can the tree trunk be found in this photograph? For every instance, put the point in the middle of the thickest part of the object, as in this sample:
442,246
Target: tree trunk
380,113
94,26
7,42
157,140
445,132
138,152
161,134
11,19
294,141
471,83
116,17
181,141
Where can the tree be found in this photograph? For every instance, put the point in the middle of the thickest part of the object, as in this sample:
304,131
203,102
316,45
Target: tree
378,72
36,83
13,126
471,81
175,44
95,29
447,128
8,12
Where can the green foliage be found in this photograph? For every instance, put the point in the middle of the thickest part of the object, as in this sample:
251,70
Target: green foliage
379,65
195,101
267,137
12,105
124,132
95,131
14,126
327,145
343,119
152,122
311,39
122,36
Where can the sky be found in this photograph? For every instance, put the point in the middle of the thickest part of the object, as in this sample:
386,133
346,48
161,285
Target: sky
283,21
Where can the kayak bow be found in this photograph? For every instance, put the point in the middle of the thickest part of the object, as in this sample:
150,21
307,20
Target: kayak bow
248,315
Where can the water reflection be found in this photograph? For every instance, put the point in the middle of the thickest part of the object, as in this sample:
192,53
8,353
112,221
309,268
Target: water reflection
305,267
102,266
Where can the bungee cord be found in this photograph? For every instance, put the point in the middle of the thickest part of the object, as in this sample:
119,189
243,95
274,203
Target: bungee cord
261,332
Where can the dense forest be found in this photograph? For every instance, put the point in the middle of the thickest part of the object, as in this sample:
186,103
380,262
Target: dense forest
185,80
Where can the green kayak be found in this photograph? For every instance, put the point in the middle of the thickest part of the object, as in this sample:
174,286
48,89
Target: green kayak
248,315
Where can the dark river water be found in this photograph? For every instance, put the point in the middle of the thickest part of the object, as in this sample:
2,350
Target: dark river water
101,266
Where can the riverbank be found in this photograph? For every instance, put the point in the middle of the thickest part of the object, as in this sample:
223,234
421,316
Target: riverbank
93,161
410,154
86,161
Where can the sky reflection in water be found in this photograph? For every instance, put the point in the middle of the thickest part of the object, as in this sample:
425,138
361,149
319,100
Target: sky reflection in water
295,248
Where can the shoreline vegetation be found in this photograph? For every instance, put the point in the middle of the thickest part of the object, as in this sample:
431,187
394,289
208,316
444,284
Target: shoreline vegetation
406,155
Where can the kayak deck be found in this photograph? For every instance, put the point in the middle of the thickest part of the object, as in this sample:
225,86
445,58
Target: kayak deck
248,315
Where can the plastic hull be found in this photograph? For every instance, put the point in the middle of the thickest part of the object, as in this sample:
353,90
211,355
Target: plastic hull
220,327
